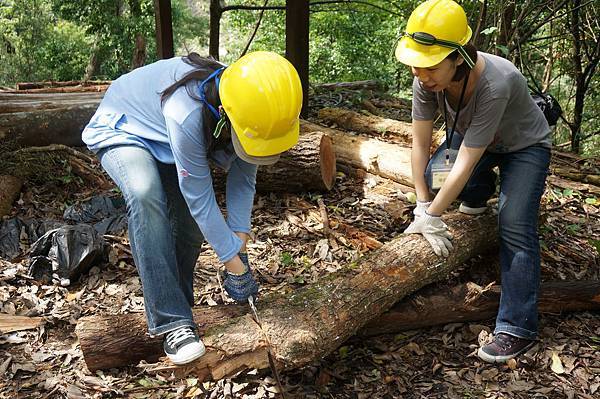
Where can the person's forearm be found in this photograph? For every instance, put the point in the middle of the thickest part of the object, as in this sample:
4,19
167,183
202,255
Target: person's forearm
419,158
235,265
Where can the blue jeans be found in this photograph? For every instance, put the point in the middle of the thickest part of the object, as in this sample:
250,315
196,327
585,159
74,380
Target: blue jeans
522,178
164,237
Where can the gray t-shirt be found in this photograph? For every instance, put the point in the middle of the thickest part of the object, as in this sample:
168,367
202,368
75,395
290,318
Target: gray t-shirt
500,115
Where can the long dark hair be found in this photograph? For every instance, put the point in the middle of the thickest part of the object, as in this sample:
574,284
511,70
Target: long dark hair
463,69
204,66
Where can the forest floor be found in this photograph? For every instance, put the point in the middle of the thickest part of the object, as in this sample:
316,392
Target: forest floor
436,362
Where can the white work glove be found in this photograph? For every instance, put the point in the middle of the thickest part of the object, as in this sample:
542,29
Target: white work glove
421,208
435,232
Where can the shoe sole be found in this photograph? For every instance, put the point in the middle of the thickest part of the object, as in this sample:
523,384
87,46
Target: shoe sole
501,359
471,211
186,359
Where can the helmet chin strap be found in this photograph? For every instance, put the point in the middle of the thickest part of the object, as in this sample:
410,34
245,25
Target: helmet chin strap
219,114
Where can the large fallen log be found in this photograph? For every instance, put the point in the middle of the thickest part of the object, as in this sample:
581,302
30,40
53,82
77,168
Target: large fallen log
304,325
44,119
466,302
374,156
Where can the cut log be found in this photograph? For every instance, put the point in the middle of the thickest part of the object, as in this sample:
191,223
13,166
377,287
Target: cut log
308,166
374,156
10,187
51,84
305,325
391,129
43,119
464,303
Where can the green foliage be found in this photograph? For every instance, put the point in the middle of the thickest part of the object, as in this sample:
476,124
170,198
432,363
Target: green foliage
55,39
23,25
64,52
348,41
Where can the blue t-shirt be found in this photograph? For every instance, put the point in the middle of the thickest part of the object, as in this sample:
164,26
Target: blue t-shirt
131,113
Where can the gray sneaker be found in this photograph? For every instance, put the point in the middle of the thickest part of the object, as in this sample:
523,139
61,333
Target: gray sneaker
472,208
503,348
183,345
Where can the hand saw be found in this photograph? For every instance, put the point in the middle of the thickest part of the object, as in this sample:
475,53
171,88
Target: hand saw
269,348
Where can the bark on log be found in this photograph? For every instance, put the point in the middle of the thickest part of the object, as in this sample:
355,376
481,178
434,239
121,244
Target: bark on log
384,159
305,325
69,83
397,131
308,166
356,85
459,304
10,187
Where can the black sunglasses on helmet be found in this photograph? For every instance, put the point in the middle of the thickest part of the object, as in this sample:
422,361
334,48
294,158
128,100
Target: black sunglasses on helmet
427,39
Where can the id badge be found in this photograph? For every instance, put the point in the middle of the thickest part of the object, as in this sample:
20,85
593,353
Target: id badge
440,171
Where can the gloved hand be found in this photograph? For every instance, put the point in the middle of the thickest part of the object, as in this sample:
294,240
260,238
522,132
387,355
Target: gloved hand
241,286
421,208
435,232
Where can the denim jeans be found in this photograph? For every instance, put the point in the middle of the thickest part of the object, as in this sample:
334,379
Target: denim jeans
522,178
164,237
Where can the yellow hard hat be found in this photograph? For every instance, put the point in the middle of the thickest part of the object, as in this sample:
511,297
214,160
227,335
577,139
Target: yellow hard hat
261,94
434,29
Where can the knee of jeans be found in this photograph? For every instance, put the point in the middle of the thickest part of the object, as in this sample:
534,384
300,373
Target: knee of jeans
144,193
518,232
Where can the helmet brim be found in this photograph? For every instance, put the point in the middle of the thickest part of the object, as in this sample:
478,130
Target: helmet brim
418,55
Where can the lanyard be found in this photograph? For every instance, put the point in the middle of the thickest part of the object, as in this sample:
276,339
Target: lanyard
460,100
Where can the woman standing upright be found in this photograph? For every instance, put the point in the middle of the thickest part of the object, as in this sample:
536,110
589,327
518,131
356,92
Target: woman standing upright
491,120
157,131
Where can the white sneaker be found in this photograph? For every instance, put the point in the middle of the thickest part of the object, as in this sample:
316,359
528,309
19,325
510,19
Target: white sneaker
183,345
472,209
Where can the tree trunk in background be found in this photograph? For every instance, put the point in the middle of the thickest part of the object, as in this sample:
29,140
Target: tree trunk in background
506,17
215,28
579,78
478,39
139,53
308,323
94,63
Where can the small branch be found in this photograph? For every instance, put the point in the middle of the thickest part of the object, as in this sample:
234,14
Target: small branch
55,147
324,217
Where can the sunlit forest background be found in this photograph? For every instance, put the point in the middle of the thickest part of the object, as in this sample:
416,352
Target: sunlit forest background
555,43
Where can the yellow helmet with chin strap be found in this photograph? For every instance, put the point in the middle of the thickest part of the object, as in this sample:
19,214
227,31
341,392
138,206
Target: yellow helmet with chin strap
434,29
261,94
